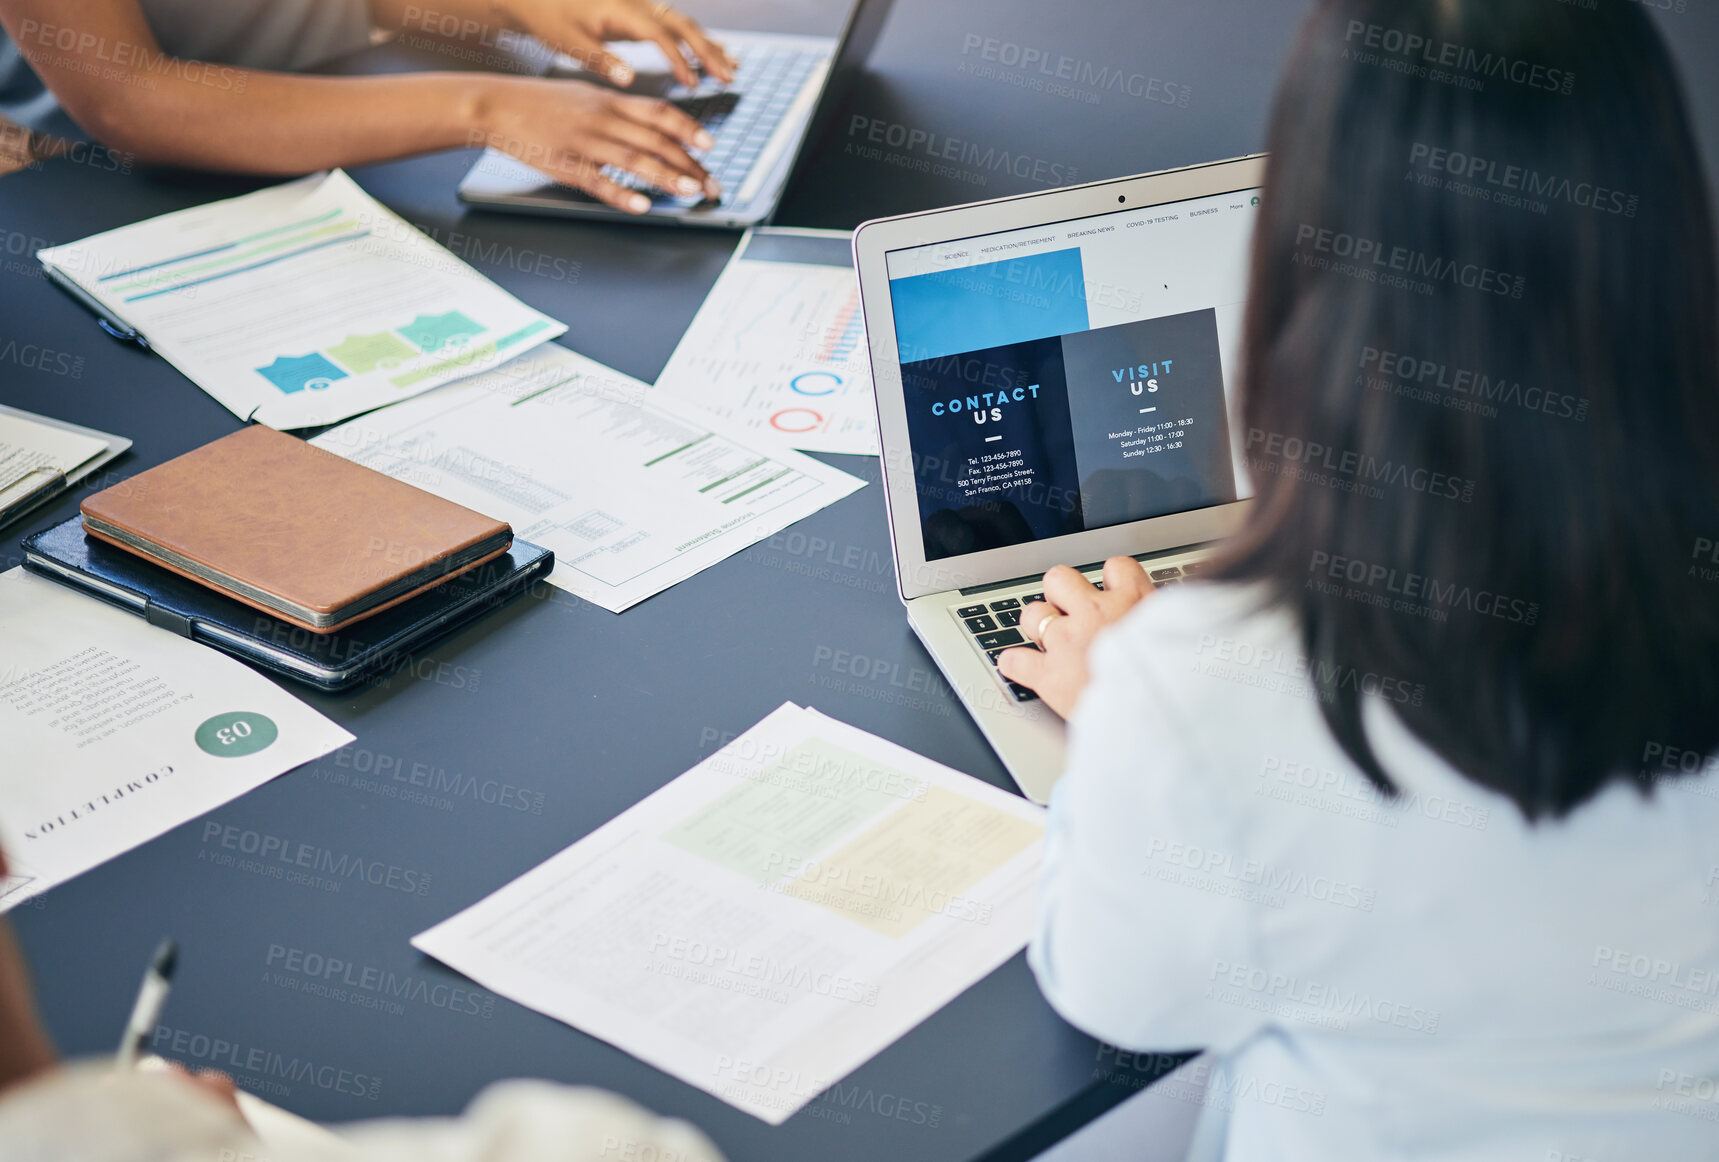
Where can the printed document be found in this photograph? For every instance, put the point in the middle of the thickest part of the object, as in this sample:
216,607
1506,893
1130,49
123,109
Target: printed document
771,919
117,730
40,458
302,304
634,491
27,447
779,345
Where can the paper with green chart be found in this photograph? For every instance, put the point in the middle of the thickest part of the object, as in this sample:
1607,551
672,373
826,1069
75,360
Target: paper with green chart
773,918
301,304
632,490
117,730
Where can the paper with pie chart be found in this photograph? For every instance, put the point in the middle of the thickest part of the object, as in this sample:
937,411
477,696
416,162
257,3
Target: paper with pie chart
779,345
301,304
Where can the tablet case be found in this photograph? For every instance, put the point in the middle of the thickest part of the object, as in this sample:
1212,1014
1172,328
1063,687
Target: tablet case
291,529
326,661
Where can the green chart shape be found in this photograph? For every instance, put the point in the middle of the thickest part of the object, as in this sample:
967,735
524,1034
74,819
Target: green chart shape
768,824
435,332
364,353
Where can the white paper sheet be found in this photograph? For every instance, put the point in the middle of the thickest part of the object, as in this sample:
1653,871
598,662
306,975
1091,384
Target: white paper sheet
302,304
771,919
779,346
632,491
116,731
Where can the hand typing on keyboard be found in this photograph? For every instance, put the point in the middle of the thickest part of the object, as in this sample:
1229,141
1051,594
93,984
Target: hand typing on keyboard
573,131
614,146
580,28
1063,626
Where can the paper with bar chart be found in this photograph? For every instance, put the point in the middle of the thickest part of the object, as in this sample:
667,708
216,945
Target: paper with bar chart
779,345
301,304
633,491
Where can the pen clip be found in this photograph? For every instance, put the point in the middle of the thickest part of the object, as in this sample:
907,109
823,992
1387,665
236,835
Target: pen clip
121,332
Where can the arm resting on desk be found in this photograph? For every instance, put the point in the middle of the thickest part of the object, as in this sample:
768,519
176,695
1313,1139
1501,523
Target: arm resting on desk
533,1121
93,1114
115,81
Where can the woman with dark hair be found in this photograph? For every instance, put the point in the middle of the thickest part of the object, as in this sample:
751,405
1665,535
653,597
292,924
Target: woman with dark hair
1407,812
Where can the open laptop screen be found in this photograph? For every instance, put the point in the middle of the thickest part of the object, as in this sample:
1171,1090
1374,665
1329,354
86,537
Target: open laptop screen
1073,376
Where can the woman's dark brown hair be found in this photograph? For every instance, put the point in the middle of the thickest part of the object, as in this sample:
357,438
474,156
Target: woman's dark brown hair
1481,404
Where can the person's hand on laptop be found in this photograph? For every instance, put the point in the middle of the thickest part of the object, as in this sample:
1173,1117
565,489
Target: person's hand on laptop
1064,624
580,28
572,136
570,130
273,121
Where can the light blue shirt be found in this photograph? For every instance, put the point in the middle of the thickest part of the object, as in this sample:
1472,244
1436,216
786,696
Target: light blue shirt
260,34
1429,979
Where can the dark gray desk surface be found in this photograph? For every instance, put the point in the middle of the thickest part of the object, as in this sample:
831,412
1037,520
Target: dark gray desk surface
587,712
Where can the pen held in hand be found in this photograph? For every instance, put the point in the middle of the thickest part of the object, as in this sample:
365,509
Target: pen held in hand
151,997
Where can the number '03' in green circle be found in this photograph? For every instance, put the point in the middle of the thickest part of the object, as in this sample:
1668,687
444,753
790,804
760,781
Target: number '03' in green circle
239,733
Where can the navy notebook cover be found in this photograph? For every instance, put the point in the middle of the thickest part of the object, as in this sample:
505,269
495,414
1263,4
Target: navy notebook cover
327,661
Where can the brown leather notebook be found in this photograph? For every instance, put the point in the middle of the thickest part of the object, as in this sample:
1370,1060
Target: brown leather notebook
292,530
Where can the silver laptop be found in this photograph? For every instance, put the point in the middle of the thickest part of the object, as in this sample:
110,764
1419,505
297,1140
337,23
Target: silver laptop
1056,380
758,124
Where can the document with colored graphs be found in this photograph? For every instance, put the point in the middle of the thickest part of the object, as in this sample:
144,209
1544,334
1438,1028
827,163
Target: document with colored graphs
301,304
633,491
779,348
772,919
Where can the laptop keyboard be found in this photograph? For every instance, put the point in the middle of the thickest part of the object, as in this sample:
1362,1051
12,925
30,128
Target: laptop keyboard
741,121
995,624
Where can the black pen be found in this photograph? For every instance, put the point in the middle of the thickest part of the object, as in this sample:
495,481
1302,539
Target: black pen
151,996
113,326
